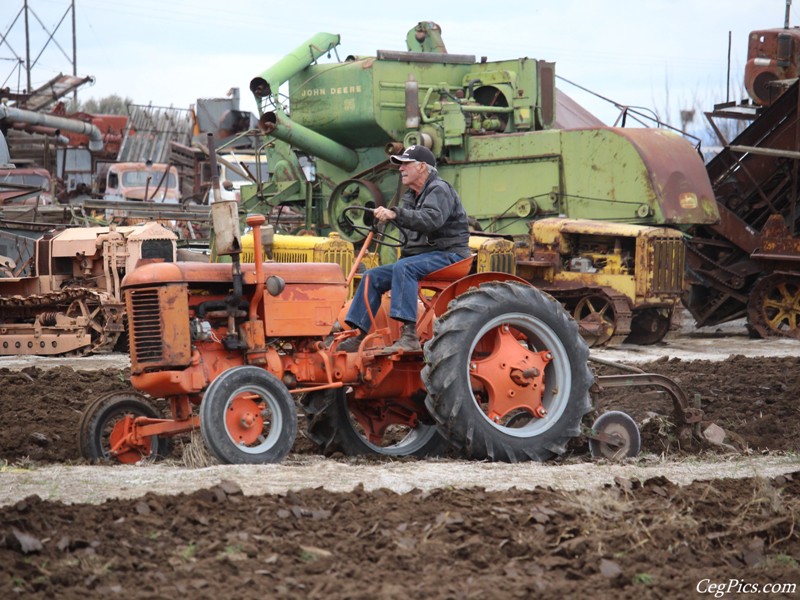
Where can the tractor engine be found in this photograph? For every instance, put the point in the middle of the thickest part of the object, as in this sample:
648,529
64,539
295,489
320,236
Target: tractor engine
188,323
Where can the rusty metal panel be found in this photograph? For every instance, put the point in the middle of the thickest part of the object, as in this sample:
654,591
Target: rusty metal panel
547,84
304,310
159,327
55,89
776,242
677,175
571,115
150,131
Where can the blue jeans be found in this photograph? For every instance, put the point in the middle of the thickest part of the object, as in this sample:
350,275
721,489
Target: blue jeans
402,278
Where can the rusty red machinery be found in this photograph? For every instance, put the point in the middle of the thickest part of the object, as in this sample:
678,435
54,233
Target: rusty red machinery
747,265
504,374
773,60
111,127
60,287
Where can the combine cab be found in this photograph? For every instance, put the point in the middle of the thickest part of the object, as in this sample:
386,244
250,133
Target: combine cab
60,289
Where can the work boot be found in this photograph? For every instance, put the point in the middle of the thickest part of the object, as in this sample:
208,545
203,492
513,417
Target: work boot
408,342
352,344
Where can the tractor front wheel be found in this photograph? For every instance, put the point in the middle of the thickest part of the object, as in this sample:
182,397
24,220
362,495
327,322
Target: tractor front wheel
248,416
106,423
507,374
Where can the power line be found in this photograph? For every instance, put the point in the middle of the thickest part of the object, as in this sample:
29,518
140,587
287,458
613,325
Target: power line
26,12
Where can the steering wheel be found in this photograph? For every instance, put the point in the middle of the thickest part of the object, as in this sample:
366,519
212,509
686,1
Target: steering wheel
365,222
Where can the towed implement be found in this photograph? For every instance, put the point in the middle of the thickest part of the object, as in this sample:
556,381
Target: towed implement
503,374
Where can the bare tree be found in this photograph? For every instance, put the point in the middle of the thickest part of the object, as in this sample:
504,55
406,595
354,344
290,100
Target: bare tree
108,105
687,114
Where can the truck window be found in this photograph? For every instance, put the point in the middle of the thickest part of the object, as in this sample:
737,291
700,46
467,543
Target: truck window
249,166
139,178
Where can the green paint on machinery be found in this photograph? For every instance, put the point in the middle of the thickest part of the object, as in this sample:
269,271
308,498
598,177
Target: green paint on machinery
492,125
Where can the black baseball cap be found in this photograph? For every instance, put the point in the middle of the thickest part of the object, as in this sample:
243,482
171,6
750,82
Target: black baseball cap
415,153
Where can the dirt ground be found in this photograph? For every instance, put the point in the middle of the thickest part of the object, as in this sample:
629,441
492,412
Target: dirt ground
633,537
650,539
756,399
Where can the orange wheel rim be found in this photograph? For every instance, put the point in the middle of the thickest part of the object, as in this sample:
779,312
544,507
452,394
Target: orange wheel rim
129,452
244,420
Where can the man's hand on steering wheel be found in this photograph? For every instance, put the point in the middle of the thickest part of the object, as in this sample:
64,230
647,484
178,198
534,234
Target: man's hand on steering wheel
369,217
384,214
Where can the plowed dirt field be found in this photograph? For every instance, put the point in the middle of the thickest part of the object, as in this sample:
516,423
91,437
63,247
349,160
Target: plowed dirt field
673,523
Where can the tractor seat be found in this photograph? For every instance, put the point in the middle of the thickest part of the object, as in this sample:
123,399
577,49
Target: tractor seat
452,272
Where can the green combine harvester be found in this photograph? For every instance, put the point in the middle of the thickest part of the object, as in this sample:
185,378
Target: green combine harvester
609,202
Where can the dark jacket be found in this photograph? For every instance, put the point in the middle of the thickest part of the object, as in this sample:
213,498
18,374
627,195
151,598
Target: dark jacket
434,220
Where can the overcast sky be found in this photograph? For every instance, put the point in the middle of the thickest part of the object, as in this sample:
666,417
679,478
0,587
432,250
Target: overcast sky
659,54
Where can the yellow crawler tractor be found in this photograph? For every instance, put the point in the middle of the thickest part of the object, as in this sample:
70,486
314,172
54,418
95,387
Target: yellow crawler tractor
620,282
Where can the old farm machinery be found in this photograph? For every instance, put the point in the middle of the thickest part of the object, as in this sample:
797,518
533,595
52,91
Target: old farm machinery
747,265
60,287
502,140
504,374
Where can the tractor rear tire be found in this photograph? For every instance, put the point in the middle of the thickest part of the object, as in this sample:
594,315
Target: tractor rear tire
102,415
461,403
247,416
333,428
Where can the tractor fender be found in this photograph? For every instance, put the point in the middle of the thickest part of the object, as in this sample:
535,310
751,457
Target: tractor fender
465,283
438,306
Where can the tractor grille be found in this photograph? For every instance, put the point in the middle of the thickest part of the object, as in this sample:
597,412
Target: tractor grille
493,254
145,326
668,265
290,256
503,263
343,258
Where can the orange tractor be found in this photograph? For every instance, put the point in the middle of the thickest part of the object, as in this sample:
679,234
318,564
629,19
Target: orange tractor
503,374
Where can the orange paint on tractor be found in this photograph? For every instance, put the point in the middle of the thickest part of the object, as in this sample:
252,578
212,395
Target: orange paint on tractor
254,334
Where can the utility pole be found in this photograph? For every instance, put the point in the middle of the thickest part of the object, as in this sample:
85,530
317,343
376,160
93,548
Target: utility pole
74,54
27,50
29,62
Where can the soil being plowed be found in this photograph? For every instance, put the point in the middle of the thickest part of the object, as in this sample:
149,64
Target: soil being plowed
649,539
756,399
633,539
